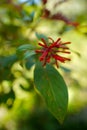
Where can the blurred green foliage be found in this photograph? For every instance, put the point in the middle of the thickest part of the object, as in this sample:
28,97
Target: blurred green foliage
21,108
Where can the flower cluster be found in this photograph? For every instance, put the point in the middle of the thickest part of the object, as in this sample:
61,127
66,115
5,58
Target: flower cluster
50,51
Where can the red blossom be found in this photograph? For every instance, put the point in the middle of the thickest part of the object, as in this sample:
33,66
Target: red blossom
46,13
50,51
58,16
44,1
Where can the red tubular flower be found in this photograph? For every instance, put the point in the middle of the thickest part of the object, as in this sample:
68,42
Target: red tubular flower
50,51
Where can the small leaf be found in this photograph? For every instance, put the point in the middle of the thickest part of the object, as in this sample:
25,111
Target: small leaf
27,54
77,53
25,47
53,89
40,36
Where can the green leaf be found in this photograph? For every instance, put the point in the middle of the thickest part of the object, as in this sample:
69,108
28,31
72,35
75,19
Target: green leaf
40,36
30,62
53,89
28,54
26,51
25,47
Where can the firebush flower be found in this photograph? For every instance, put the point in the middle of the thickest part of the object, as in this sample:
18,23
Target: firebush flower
50,51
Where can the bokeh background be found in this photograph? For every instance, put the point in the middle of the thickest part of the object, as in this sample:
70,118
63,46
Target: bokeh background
21,107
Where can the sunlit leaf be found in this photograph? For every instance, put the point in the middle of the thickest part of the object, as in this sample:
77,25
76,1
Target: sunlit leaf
25,47
28,54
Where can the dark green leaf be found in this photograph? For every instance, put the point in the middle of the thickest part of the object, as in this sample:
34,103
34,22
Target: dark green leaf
53,89
6,63
30,62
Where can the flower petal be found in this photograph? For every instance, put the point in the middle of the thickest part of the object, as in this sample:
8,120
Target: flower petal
60,58
43,56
